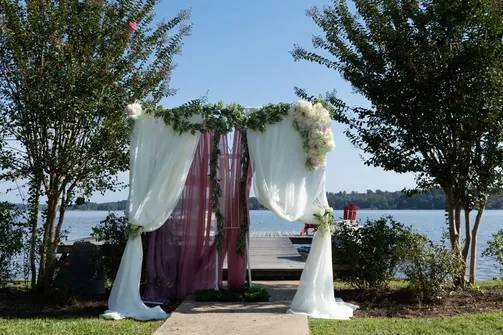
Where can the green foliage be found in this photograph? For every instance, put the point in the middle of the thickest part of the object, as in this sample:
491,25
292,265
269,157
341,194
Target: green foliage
113,231
256,294
495,247
269,114
67,69
433,73
430,269
11,234
253,294
195,116
372,252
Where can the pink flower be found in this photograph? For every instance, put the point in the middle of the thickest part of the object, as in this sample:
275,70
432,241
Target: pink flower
132,26
323,129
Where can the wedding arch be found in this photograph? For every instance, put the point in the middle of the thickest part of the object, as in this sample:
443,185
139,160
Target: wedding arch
189,191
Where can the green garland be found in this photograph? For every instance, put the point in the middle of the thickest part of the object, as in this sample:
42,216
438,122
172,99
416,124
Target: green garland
245,166
213,117
269,114
216,191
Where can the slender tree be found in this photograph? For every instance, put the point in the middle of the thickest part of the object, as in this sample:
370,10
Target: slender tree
433,71
67,69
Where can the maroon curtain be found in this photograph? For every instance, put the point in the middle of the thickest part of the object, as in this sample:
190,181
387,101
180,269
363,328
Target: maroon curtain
236,178
181,256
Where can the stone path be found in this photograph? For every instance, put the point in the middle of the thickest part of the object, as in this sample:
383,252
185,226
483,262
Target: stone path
264,318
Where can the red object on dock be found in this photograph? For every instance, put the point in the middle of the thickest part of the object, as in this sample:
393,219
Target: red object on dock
350,212
307,226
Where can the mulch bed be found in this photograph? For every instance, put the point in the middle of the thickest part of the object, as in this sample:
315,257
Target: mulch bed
403,304
20,303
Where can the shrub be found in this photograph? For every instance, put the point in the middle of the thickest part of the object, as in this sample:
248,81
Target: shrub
11,234
495,248
430,269
252,294
370,253
112,231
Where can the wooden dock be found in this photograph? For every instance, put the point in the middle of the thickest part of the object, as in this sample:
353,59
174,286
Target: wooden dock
272,257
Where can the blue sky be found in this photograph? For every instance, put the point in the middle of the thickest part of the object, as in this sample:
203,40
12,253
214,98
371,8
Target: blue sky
239,52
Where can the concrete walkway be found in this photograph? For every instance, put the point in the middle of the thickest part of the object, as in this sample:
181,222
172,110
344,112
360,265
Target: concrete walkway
263,318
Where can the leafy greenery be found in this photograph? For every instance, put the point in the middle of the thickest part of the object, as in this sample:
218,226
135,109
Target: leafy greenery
495,247
372,252
11,237
269,114
430,269
476,324
252,294
75,326
67,69
113,231
433,72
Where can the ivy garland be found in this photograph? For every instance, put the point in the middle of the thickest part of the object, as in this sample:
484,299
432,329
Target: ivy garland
269,114
216,191
245,166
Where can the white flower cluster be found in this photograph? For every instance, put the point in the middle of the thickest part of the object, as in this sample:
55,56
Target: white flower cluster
313,123
133,110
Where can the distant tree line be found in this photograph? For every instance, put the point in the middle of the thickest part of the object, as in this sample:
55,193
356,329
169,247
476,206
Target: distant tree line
366,200
398,200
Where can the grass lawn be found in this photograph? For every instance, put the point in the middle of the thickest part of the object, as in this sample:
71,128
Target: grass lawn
75,326
480,324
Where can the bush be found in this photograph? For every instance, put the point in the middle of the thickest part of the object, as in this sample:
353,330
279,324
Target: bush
112,231
370,253
252,294
11,234
495,248
430,269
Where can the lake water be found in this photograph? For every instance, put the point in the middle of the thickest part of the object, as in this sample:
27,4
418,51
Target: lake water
428,222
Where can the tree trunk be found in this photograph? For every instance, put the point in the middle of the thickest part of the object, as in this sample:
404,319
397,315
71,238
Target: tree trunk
454,217
468,235
47,255
451,216
33,208
473,254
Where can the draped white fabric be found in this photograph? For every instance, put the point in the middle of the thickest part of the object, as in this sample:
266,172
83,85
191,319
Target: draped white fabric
283,184
315,294
159,164
281,180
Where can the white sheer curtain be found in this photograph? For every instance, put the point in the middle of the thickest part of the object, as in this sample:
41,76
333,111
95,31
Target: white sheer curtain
283,184
159,164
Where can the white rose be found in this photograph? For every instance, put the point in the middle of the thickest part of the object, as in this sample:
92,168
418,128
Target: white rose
133,110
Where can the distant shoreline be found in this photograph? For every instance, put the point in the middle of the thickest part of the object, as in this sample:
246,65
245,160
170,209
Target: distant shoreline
370,200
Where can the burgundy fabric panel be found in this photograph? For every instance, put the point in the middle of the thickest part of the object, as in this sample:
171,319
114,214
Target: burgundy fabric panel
181,255
233,206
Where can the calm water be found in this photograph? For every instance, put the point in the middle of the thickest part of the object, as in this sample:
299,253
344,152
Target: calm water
428,222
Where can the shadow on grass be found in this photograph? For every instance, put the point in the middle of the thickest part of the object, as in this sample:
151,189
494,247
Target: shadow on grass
18,303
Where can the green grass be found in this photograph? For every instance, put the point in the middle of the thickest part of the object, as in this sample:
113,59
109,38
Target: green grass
483,324
76,326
